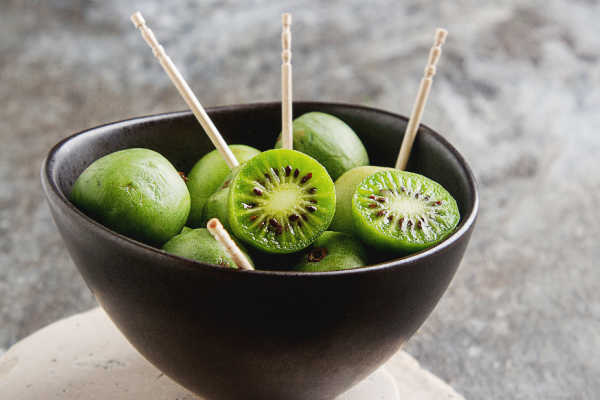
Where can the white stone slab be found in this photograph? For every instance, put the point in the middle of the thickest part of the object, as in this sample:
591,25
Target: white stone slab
86,357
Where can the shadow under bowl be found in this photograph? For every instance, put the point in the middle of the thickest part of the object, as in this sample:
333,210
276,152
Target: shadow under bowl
229,334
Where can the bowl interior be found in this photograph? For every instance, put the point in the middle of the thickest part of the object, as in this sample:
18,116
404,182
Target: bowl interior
180,138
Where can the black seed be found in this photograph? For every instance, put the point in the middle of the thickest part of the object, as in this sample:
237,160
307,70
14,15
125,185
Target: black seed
314,201
419,225
299,223
426,197
372,205
403,188
401,221
304,217
293,217
267,176
317,254
416,195
312,209
288,170
372,197
276,171
226,183
249,205
274,223
438,203
306,178
296,172
381,213
409,223
253,217
390,217
257,191
312,190
381,200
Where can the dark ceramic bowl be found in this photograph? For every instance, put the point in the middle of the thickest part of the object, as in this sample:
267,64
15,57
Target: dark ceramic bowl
228,334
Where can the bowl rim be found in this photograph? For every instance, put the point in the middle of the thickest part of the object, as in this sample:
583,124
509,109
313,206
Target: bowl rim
53,192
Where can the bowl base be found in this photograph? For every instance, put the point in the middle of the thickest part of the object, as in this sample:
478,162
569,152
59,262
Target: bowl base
85,356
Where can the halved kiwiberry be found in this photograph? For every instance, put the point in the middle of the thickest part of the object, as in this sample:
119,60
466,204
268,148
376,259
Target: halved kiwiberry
292,201
402,211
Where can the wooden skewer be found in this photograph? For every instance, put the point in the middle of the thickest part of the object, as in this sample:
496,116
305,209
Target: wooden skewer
216,229
184,90
417,112
286,83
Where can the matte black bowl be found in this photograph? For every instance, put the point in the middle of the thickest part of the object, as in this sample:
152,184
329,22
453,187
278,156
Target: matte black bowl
228,334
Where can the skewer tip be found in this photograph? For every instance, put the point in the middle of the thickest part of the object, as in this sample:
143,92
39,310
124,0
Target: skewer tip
440,36
286,19
221,235
137,19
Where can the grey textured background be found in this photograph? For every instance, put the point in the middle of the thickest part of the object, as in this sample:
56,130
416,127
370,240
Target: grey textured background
518,92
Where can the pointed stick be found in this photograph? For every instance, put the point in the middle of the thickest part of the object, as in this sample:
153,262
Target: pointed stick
184,90
287,129
221,235
417,112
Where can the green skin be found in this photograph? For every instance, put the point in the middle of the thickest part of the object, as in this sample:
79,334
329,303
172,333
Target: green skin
207,175
345,186
414,213
282,197
136,192
330,141
200,245
216,207
332,251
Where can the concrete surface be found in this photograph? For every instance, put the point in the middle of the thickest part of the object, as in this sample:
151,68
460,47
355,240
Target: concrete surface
86,357
516,92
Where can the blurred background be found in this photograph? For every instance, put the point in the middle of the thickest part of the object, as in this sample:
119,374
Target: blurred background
517,92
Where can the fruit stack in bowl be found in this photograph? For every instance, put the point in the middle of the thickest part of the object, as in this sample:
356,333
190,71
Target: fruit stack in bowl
279,203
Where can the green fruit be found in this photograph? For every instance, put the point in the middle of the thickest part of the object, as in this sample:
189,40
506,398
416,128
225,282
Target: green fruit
200,245
345,186
207,175
402,211
216,207
280,201
136,192
330,141
331,252
186,229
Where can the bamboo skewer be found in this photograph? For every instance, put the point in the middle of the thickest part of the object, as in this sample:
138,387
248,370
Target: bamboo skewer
184,90
417,112
287,129
221,235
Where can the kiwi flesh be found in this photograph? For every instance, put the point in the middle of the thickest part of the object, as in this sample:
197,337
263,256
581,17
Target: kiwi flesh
330,141
199,245
206,177
403,212
280,201
345,186
332,251
136,192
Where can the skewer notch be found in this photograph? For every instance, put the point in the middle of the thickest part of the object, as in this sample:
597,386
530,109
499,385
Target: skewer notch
287,130
419,106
